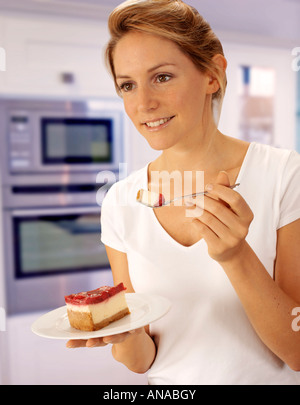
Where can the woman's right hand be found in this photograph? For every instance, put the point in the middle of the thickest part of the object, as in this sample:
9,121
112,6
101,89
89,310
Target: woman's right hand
103,341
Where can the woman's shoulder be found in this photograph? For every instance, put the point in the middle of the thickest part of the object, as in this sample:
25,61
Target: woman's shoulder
271,157
272,151
268,168
271,171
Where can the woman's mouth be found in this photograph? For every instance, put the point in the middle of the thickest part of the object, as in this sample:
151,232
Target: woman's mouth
158,123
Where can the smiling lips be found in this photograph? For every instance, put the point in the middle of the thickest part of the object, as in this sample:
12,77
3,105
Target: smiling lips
156,124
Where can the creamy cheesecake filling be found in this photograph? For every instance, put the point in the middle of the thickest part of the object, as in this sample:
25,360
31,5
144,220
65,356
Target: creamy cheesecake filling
104,309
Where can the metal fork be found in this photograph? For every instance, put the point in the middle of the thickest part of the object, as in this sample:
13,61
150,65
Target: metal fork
183,196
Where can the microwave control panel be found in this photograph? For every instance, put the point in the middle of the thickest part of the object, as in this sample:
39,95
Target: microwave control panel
20,145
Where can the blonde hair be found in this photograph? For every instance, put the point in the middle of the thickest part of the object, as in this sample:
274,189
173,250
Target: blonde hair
173,20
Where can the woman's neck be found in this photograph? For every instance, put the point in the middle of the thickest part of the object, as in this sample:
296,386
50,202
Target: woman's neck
203,153
218,153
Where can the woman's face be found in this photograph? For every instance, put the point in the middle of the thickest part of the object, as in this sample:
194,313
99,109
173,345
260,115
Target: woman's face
164,94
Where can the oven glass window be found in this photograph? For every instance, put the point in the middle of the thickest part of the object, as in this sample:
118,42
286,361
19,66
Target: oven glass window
76,140
58,244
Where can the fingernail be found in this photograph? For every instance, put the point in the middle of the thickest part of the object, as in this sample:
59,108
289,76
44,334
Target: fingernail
208,187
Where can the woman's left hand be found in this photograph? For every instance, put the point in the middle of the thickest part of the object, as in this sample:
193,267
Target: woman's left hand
225,220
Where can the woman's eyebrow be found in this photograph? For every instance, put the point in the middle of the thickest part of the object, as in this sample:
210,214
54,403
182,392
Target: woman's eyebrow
149,70
160,65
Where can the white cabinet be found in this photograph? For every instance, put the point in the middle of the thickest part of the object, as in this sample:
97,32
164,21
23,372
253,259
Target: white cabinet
40,49
39,361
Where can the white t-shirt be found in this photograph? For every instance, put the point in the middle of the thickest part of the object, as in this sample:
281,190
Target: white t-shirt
206,337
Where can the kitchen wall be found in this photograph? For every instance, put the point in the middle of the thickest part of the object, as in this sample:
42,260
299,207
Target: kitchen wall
39,48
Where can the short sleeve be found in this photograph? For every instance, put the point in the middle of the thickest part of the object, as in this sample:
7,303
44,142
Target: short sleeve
112,228
290,191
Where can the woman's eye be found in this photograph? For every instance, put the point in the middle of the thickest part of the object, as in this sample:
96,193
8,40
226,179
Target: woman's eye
163,78
126,87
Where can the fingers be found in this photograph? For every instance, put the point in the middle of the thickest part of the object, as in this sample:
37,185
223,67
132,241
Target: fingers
223,179
224,221
231,198
72,344
116,338
100,342
94,342
221,218
225,211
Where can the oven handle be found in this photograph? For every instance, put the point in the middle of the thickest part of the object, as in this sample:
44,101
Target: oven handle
55,211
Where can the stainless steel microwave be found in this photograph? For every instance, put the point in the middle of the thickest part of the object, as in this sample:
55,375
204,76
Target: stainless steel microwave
55,136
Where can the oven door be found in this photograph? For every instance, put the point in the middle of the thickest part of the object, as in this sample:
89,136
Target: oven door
57,241
50,250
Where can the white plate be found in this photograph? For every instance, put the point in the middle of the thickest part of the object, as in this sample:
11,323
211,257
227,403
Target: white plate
144,309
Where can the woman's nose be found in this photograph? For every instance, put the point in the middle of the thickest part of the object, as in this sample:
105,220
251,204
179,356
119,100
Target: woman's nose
147,99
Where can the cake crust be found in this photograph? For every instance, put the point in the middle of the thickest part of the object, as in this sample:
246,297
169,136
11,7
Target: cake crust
83,320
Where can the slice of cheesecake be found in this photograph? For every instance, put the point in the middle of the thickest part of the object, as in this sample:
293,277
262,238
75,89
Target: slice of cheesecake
93,310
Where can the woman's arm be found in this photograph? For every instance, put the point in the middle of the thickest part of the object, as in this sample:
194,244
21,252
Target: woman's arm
135,349
268,306
138,351
268,303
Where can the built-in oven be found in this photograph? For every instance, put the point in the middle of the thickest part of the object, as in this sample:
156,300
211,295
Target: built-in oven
51,253
53,241
58,159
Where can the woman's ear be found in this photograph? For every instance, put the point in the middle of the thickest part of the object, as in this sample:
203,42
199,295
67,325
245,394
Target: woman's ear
221,64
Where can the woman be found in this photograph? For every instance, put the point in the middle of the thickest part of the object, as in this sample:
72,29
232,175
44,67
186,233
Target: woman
229,263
